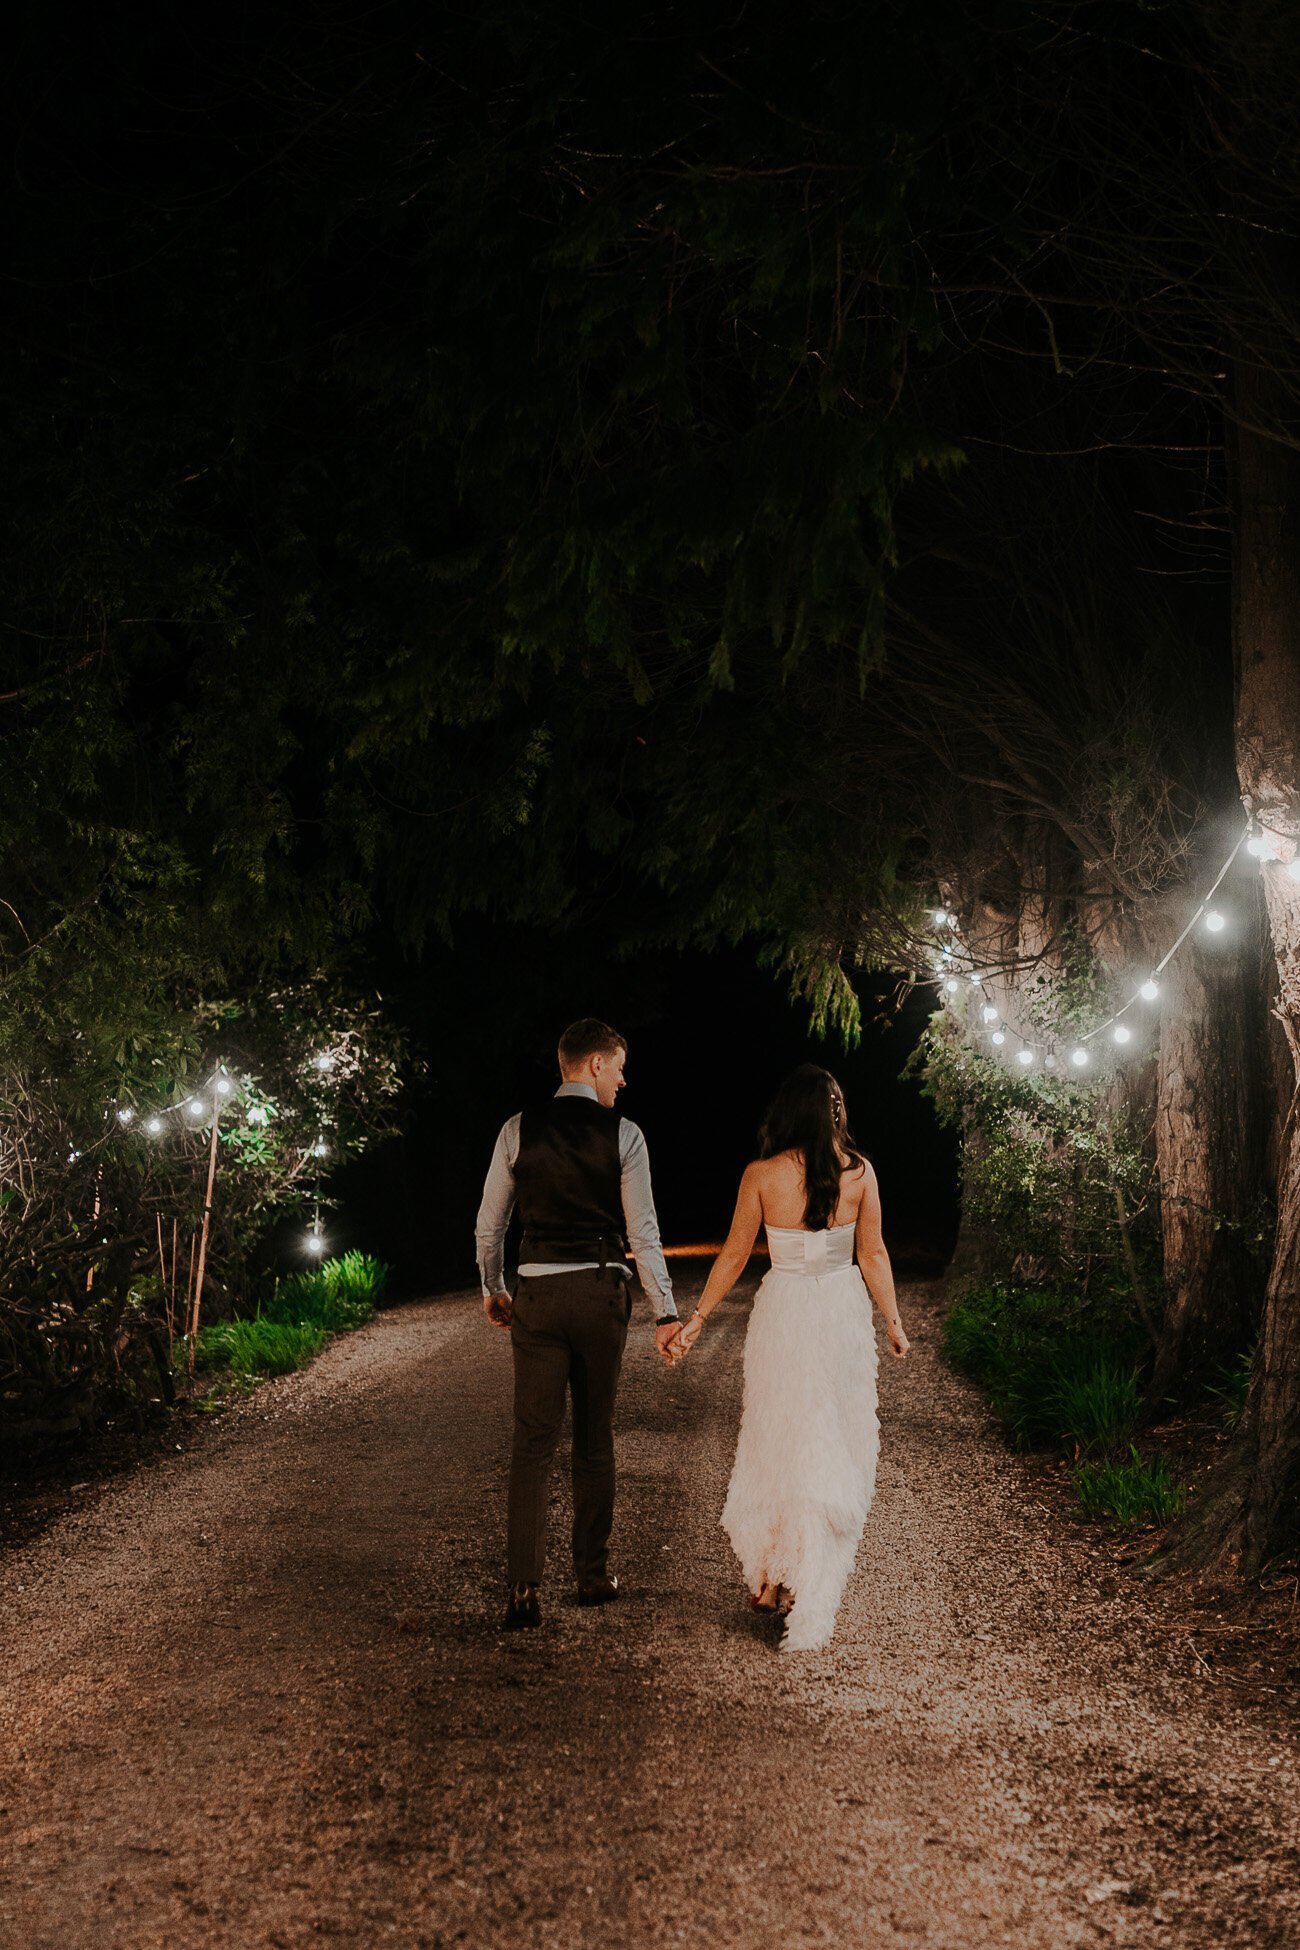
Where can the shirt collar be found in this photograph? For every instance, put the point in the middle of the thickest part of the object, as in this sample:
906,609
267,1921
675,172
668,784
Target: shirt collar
578,1090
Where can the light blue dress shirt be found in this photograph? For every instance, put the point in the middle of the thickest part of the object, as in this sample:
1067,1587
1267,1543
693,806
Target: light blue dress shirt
638,1212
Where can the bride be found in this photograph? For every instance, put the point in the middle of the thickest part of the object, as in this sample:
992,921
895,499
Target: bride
805,1465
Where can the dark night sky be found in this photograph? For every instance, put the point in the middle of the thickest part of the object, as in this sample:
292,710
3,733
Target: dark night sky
710,1038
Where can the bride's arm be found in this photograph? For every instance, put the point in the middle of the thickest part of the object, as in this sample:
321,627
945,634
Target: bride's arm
873,1262
734,1257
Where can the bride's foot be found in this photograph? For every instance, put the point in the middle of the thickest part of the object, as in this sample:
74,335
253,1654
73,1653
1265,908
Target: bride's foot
773,1597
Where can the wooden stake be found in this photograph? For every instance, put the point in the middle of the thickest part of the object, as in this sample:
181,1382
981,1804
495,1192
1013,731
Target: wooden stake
207,1221
189,1304
162,1274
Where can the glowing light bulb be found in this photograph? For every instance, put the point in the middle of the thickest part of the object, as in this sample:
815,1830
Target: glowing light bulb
952,985
940,917
73,1156
154,1126
126,1115
1025,1056
1079,1058
196,1107
320,1149
976,978
999,1037
223,1086
1122,1033
315,1241
324,1061
1049,1061
1214,921
1149,991
989,1013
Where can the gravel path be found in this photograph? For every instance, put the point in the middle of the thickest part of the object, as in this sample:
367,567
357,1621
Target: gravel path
254,1695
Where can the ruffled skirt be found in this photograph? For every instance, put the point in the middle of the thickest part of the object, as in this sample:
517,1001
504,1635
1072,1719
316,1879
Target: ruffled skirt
805,1468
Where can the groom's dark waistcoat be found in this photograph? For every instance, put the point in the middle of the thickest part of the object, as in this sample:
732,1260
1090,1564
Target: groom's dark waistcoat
568,1183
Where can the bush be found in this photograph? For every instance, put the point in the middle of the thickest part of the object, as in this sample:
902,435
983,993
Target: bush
299,1318
339,1295
1130,1490
1056,1366
248,1347
1094,1398
1232,1388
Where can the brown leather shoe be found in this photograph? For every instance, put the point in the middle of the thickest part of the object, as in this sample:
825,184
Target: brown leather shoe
601,1591
522,1609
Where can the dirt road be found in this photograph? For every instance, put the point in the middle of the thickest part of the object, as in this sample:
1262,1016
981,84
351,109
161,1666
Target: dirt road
255,1695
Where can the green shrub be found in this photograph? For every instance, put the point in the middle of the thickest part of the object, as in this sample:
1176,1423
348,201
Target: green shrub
339,1295
1057,1367
247,1347
1094,1398
1130,1490
1232,1388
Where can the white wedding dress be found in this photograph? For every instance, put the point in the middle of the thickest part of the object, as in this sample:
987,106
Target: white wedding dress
805,1467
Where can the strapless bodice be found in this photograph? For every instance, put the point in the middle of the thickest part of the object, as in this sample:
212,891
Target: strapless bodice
812,1254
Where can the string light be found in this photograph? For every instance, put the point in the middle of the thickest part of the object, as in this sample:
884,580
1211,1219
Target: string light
125,1114
223,1086
1261,845
154,1126
315,1242
196,1107
952,985
325,1062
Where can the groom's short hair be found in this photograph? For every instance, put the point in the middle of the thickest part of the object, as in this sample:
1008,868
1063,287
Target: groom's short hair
588,1037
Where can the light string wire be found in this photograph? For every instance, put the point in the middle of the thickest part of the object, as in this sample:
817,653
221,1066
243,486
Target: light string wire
999,1028
207,1100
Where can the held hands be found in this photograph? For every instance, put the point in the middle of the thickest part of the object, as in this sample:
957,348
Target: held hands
668,1341
499,1308
688,1336
675,1341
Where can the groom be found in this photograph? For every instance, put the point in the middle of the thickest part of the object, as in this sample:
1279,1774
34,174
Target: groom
580,1175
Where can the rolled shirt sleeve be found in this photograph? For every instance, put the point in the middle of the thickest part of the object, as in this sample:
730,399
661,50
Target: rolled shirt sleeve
494,1211
641,1220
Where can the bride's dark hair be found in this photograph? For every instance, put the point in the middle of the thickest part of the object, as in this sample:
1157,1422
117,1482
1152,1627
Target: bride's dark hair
808,1115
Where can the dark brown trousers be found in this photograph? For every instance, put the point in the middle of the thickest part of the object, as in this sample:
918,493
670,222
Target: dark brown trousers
568,1334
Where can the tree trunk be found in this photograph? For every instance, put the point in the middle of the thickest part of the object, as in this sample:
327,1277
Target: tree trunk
1250,1514
1210,1135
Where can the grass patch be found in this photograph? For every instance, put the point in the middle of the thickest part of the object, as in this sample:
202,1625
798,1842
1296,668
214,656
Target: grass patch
1093,1398
1130,1490
1056,1369
1231,1390
248,1347
1062,1372
292,1327
338,1296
